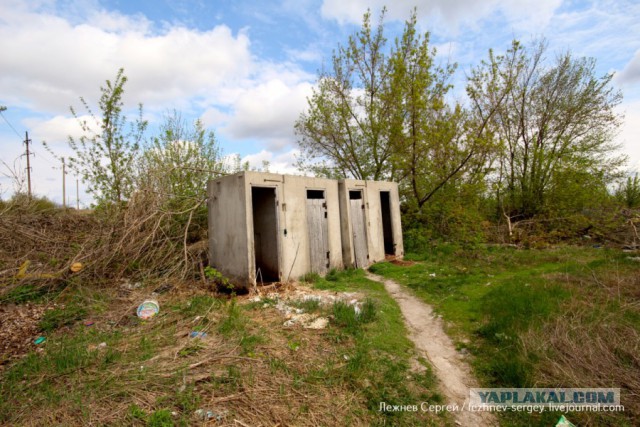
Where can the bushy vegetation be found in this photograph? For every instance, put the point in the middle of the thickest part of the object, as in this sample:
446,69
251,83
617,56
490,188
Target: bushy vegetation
534,143
21,202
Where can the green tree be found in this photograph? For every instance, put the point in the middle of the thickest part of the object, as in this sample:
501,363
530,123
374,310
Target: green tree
628,192
181,159
555,120
382,113
175,168
434,144
345,132
105,156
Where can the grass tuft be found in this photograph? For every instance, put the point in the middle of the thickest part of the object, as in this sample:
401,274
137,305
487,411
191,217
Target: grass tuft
59,317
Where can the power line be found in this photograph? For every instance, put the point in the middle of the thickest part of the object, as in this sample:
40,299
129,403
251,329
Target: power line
2,108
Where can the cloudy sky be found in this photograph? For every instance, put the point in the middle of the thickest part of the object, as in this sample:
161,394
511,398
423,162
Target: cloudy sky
246,67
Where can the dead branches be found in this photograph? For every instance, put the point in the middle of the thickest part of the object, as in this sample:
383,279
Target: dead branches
145,239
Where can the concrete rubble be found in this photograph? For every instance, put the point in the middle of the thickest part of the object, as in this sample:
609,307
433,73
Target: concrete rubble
286,303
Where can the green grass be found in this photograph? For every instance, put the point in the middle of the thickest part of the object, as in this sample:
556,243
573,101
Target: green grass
234,322
492,297
309,305
59,317
28,293
378,364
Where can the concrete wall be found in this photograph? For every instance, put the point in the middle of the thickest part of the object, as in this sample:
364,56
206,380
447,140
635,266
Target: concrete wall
231,223
373,216
229,227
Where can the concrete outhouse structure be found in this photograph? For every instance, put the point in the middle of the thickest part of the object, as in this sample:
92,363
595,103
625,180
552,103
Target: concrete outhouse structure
266,227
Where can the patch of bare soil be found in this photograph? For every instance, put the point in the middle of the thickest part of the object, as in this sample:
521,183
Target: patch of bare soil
395,261
427,332
19,330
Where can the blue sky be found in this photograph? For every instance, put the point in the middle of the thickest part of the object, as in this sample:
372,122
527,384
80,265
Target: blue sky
246,67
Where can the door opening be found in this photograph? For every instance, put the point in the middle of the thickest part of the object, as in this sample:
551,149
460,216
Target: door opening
387,229
265,234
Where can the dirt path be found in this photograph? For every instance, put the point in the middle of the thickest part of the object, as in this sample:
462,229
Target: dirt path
427,332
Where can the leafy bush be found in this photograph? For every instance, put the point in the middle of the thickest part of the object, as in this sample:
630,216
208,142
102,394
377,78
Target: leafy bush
222,282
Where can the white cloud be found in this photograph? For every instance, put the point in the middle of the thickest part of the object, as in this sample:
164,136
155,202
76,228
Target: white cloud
268,111
55,130
631,72
48,62
448,14
52,57
629,135
281,163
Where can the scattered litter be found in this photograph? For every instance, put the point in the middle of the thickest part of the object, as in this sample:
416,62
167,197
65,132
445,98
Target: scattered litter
564,422
93,347
148,309
286,303
302,319
635,258
40,340
196,319
89,323
22,271
126,284
208,415
432,274
319,323
198,334
76,267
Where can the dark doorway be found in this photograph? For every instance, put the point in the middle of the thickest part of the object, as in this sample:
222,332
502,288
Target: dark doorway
387,229
318,231
359,229
265,234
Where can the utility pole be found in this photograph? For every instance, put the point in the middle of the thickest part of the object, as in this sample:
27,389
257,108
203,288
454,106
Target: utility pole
77,195
64,186
27,141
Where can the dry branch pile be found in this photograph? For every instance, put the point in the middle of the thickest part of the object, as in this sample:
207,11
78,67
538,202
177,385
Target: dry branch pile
141,240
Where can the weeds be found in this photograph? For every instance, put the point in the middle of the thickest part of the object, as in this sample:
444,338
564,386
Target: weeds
310,305
27,293
535,318
199,305
222,283
310,277
59,317
160,418
378,364
234,321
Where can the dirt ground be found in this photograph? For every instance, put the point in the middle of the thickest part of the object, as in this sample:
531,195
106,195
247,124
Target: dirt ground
427,332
